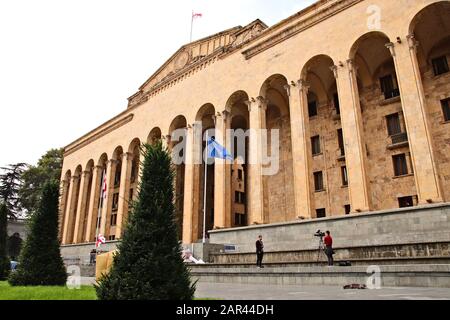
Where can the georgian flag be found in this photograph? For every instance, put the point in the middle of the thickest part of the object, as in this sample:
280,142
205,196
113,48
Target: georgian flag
196,15
100,240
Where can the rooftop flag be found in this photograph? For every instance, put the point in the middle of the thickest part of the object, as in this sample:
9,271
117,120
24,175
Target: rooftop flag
196,15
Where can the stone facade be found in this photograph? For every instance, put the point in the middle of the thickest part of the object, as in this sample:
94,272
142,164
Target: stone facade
387,61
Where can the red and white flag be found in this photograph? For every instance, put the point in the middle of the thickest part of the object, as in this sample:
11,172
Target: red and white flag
104,185
196,15
100,240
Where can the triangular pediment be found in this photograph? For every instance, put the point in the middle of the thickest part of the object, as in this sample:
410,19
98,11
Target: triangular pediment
197,50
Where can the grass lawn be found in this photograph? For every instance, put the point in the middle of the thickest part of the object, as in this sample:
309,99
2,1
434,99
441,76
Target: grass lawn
45,293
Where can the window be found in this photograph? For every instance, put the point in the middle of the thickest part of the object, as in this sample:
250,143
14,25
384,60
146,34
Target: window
112,237
405,202
312,108
347,209
239,197
117,177
336,103
318,181
400,167
321,213
239,174
315,144
341,142
344,176
113,219
393,124
240,219
446,109
389,87
440,65
115,201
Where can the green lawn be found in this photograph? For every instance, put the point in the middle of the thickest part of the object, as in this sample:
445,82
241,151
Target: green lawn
45,293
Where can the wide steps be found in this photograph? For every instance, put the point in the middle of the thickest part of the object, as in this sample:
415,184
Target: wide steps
409,275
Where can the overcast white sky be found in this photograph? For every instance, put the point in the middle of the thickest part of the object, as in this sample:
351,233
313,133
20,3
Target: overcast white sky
66,66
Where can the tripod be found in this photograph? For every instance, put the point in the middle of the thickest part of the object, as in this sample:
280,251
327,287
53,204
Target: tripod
321,248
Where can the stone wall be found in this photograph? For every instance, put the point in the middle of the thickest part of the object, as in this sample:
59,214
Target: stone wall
385,189
400,226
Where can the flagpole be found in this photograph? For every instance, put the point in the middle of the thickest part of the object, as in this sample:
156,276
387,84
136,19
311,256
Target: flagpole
98,212
204,190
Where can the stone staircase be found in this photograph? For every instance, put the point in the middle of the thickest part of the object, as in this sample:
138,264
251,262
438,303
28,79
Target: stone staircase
421,264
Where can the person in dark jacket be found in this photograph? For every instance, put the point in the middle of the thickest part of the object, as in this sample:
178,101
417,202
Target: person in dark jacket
259,252
328,240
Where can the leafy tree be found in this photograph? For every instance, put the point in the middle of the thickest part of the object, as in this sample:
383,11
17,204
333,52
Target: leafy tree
4,261
48,168
40,261
10,184
148,265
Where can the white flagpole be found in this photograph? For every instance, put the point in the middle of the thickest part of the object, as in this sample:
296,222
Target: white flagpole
204,190
99,206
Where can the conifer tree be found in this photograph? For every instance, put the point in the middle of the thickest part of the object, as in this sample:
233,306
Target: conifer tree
4,260
148,265
40,261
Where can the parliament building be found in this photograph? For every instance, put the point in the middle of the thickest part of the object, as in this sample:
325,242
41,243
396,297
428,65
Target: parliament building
359,91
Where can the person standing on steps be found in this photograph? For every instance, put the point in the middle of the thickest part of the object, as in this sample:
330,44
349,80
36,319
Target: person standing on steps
259,252
329,248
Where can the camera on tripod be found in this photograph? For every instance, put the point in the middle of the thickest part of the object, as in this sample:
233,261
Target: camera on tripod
319,234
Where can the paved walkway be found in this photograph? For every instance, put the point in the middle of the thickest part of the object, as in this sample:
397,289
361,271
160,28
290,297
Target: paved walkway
225,291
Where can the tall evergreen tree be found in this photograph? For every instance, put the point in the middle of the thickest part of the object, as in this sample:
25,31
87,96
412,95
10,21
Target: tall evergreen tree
40,261
148,265
4,260
10,184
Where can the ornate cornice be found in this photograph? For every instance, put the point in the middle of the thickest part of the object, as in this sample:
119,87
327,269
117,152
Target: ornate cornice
322,13
90,137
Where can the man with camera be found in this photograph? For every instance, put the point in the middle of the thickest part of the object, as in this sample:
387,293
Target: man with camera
328,240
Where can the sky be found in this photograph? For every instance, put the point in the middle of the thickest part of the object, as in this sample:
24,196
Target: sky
67,66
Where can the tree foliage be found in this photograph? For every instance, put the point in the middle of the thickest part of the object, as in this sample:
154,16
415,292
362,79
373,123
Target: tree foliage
4,260
10,184
40,261
148,265
48,168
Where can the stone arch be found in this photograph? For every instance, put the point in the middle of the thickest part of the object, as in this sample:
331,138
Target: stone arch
74,204
206,117
278,206
178,123
378,86
429,30
154,135
89,169
237,210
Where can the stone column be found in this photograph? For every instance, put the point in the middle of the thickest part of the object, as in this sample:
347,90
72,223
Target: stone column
107,202
81,207
124,191
91,222
220,173
70,209
353,134
257,115
62,206
414,111
301,148
188,206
